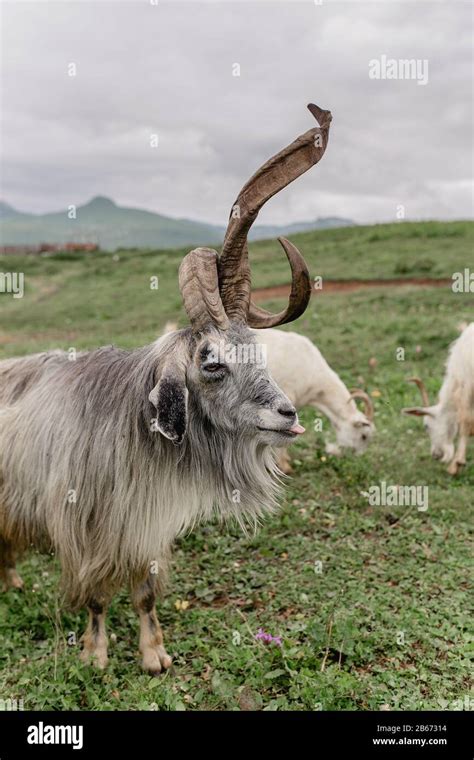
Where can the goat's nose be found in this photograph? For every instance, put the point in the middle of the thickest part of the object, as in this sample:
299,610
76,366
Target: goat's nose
287,411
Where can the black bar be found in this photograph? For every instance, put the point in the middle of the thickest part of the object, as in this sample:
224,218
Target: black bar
370,734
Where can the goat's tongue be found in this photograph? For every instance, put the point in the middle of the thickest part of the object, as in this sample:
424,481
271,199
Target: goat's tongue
297,429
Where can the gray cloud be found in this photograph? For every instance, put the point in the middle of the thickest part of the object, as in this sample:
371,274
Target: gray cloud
167,69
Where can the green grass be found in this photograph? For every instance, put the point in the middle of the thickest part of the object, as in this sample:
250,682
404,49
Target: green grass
384,251
86,300
385,570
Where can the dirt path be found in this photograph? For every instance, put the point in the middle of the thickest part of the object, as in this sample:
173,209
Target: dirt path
349,286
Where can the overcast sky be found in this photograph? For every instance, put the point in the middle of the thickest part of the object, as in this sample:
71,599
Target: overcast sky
167,69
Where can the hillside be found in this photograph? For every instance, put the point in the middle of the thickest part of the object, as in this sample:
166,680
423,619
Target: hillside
84,300
380,251
102,221
112,226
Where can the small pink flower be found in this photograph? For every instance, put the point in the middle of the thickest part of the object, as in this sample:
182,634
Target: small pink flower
267,638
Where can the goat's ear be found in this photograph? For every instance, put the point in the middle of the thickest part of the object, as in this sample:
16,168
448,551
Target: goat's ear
170,397
362,423
417,411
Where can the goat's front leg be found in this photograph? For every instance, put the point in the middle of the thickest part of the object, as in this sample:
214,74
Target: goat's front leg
459,458
95,640
154,655
8,573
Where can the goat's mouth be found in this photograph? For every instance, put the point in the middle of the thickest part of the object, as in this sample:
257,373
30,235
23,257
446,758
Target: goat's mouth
292,432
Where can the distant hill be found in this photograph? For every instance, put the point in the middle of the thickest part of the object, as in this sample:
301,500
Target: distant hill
8,212
111,226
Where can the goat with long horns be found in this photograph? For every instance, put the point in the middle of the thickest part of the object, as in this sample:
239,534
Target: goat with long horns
107,459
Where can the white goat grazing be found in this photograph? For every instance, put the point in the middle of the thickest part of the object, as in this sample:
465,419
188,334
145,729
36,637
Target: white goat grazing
453,416
302,372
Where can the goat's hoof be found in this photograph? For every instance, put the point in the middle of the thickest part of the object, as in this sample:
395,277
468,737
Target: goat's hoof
11,579
155,660
96,657
14,580
454,467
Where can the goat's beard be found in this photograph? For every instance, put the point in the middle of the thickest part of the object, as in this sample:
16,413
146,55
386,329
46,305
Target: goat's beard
240,471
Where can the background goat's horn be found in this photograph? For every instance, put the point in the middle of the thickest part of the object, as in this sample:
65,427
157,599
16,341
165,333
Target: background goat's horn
273,176
368,403
198,282
422,387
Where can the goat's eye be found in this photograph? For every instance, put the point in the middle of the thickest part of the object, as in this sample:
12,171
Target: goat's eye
213,367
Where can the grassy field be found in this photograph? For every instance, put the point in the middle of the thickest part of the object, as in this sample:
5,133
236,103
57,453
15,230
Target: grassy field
88,300
371,603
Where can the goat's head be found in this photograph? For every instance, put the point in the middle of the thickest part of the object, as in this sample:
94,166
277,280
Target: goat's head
357,428
216,368
441,428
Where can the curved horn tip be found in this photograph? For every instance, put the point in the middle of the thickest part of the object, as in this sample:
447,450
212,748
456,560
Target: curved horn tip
322,117
275,174
417,381
422,388
368,403
299,296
